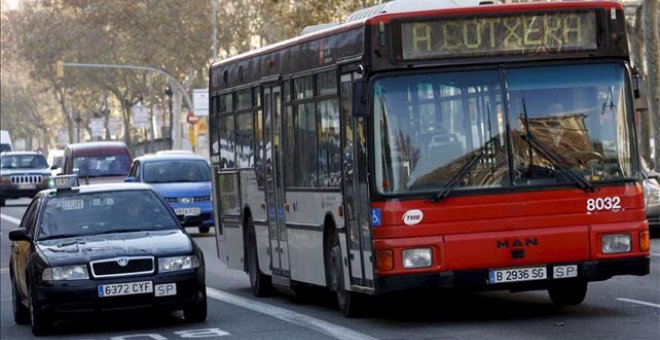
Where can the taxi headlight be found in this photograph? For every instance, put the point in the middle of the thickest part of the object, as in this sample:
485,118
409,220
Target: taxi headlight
616,243
417,258
78,272
168,264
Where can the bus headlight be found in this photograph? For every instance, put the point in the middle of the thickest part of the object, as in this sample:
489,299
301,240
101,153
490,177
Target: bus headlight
417,258
616,243
169,264
78,272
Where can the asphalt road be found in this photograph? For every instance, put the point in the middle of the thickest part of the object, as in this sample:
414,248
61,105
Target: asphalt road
621,308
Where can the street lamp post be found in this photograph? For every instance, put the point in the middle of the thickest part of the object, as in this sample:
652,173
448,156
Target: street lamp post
168,93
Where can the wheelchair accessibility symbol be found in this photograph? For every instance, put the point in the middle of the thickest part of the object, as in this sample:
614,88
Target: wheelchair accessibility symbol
376,217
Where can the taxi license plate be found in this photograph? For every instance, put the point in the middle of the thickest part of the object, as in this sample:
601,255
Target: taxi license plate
188,211
128,288
517,274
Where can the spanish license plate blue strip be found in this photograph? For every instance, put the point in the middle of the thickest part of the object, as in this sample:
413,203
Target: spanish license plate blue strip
517,274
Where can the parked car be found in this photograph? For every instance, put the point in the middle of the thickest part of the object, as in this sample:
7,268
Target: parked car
652,198
102,247
98,162
22,174
183,180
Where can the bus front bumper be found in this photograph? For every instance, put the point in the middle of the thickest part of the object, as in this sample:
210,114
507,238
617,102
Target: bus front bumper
479,279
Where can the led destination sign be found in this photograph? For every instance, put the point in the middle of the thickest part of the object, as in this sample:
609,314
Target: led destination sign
515,34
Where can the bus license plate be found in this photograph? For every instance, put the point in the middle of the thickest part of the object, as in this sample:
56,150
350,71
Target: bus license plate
517,274
128,288
188,211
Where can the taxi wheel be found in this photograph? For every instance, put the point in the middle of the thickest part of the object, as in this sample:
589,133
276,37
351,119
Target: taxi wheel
260,283
196,312
41,321
568,293
350,303
204,230
21,312
2,201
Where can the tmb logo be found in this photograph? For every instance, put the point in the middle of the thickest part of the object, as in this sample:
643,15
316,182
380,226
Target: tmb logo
412,217
528,242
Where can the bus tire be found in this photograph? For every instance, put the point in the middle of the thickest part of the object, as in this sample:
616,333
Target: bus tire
350,303
568,293
260,283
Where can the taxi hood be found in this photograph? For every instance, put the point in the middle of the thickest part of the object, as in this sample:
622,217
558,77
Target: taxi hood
83,249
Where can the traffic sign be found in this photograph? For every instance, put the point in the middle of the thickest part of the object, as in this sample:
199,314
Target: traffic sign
191,118
140,115
97,127
201,102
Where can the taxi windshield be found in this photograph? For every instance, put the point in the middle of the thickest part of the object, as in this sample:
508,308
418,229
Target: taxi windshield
72,214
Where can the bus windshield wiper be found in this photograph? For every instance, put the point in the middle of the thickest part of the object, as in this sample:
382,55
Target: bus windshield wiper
534,143
456,179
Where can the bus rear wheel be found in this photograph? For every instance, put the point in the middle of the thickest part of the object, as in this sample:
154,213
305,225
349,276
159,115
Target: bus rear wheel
260,283
568,293
350,303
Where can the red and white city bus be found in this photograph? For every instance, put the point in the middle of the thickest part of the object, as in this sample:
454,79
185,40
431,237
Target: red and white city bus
425,145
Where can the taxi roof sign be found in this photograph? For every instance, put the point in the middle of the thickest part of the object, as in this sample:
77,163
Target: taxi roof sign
64,182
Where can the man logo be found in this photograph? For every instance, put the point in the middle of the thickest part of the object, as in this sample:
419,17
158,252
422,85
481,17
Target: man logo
122,261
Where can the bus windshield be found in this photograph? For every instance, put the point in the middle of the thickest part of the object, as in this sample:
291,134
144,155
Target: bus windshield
429,126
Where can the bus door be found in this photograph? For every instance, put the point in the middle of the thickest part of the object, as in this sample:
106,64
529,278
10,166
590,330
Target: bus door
355,188
279,251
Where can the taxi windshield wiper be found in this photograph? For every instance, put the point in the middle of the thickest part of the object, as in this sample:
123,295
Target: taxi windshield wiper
456,179
534,143
53,237
124,230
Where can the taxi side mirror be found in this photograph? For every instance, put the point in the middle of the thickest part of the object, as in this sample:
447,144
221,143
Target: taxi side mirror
129,179
19,235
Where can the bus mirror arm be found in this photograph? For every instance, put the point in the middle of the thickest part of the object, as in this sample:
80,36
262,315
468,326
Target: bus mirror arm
359,99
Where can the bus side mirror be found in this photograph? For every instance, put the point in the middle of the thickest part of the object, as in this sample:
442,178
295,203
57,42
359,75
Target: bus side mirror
359,99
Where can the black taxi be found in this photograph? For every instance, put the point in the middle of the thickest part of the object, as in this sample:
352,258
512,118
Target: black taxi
102,247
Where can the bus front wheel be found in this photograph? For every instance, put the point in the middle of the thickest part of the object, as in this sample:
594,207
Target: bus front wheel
568,293
350,303
259,282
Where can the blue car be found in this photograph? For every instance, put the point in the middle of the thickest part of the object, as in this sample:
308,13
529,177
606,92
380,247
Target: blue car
184,181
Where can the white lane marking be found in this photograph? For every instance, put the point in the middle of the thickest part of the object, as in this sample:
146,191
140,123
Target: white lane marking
10,219
654,254
299,319
4,270
640,302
